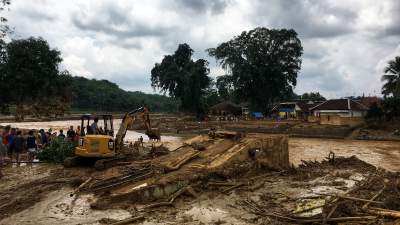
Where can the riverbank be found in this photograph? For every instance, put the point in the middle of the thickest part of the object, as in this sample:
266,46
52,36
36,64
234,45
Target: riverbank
184,126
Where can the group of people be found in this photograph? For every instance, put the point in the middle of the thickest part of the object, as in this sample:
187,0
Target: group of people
13,142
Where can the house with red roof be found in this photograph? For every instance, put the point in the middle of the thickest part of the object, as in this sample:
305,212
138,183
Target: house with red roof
340,112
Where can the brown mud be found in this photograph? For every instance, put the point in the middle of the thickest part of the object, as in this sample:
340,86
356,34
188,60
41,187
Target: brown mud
39,194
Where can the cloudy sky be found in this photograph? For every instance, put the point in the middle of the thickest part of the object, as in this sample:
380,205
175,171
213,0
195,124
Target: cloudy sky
346,42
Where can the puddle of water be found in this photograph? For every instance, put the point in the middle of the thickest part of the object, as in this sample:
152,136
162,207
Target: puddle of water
58,208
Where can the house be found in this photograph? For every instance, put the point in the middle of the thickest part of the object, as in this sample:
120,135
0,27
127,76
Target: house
226,108
297,109
340,112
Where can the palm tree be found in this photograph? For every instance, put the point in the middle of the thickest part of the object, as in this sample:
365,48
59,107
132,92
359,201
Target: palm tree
392,78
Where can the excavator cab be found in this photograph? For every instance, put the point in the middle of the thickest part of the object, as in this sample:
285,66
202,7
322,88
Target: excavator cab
107,125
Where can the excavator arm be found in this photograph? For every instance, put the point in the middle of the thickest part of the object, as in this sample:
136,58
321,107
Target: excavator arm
126,122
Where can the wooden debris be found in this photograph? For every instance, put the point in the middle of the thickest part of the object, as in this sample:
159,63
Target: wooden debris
80,187
128,221
170,201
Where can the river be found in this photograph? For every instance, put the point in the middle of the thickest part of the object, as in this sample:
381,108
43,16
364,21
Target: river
64,125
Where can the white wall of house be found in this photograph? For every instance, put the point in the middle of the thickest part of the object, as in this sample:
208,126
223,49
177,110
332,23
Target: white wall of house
341,113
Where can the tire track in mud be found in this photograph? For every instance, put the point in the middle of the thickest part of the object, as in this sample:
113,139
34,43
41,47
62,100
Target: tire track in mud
20,197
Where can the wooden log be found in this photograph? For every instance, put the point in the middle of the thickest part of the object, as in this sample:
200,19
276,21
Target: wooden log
374,197
171,200
384,212
352,198
80,187
128,221
227,190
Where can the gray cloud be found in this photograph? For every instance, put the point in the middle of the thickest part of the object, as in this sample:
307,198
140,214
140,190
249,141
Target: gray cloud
201,6
311,19
344,41
114,20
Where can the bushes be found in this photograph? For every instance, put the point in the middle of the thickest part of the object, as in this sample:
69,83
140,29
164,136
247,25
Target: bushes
57,150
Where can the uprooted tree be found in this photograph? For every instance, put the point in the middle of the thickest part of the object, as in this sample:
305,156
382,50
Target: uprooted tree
183,78
261,65
30,77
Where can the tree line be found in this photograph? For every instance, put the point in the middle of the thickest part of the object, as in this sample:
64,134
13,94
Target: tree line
31,80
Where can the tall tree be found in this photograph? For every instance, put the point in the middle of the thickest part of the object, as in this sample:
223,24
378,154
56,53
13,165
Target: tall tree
31,74
182,78
262,64
392,78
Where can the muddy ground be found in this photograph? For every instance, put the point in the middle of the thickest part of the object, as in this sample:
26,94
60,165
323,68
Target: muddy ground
40,193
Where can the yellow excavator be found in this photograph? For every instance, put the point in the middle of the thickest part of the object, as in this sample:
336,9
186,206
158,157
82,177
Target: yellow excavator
102,147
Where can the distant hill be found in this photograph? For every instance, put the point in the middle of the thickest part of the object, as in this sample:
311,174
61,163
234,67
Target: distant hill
103,95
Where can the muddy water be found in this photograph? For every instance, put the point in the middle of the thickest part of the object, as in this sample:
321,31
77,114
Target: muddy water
64,125
385,154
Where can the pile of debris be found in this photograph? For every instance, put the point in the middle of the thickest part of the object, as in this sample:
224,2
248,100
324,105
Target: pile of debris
249,178
374,199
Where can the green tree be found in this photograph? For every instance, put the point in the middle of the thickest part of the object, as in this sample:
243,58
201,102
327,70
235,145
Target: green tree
31,74
262,64
314,96
392,78
183,78
391,107
374,112
225,87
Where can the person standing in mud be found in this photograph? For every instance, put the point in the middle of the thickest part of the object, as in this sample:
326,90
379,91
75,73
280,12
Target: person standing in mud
77,133
3,154
19,145
31,146
71,133
11,142
61,135
44,139
141,141
4,135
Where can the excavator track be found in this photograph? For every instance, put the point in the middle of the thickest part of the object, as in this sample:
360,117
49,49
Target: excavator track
103,164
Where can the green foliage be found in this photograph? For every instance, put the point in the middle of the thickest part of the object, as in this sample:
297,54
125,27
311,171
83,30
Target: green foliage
392,78
103,95
225,87
391,107
314,96
262,64
375,112
182,78
57,150
30,71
